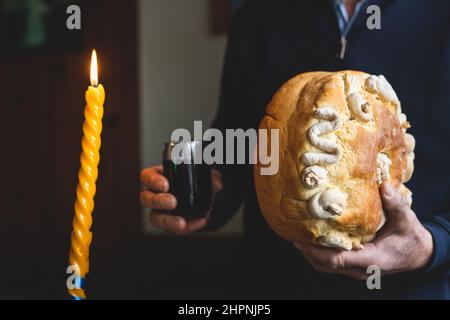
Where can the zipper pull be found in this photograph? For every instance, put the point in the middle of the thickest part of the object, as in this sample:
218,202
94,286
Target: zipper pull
343,48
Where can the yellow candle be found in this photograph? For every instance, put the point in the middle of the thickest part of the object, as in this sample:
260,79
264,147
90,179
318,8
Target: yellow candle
87,177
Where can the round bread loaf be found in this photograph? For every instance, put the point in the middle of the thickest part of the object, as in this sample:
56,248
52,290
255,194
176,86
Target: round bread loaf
341,135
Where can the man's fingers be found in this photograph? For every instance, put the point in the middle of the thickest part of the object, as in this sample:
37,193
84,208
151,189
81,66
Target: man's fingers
175,225
331,258
167,222
153,179
216,177
196,225
160,201
336,260
353,272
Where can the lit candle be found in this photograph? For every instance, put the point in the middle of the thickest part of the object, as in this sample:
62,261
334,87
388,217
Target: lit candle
87,177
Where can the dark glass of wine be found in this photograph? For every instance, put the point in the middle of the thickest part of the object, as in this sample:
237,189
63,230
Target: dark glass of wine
189,182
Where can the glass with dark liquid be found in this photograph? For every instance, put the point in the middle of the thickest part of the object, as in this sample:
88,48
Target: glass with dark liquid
189,182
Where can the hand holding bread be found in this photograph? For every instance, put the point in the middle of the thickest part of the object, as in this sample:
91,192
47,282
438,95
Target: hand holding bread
402,245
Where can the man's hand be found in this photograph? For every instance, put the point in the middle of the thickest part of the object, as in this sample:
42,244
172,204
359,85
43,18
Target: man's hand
156,197
403,244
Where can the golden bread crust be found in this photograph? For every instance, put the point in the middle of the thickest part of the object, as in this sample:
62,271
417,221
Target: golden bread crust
340,135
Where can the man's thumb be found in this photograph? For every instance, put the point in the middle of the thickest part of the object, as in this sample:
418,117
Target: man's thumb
394,202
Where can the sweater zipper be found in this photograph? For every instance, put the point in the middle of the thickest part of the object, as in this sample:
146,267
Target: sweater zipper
344,37
343,47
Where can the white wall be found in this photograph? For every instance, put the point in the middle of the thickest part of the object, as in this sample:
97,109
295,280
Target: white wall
180,72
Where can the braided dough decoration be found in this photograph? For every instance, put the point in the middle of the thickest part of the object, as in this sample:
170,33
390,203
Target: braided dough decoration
341,135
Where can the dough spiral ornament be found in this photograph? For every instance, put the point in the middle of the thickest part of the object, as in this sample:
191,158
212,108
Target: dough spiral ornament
333,152
87,176
331,202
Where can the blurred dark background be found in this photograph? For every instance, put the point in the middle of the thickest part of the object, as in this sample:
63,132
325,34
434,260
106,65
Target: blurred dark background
160,63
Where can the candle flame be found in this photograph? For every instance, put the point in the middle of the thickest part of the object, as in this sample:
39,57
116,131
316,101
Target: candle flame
94,69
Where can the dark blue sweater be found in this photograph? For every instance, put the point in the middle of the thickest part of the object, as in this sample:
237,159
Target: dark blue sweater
273,40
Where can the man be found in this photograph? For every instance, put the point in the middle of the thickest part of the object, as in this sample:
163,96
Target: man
271,41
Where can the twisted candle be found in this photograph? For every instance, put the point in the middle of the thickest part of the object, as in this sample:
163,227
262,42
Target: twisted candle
84,205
